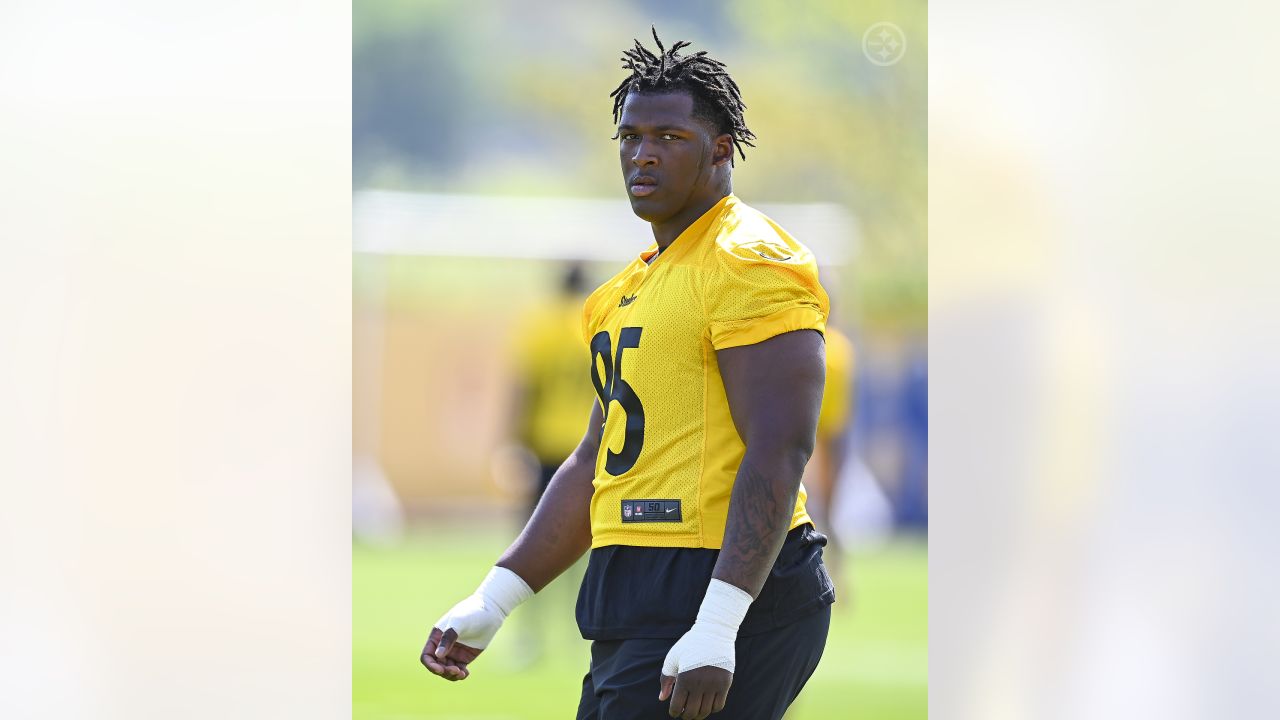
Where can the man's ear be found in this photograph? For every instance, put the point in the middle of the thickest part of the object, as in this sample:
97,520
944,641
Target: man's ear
721,149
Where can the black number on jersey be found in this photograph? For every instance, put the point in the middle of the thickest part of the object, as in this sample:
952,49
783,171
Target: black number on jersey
612,388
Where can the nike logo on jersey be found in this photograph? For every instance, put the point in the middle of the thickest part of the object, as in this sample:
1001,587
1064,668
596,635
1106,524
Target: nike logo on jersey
634,511
627,301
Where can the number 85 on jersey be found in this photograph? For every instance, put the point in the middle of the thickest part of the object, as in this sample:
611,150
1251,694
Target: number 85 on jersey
612,388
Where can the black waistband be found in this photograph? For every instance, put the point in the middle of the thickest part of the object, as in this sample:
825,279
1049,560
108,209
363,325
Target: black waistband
632,592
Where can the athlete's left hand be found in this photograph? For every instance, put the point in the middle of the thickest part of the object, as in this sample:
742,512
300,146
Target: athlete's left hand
696,693
698,671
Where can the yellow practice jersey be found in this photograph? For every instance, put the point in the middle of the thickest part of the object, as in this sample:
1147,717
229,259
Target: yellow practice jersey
550,357
837,392
670,452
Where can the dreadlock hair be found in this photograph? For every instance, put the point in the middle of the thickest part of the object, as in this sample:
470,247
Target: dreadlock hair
715,95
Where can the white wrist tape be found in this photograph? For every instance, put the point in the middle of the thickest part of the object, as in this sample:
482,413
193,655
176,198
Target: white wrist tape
477,618
710,642
724,606
504,590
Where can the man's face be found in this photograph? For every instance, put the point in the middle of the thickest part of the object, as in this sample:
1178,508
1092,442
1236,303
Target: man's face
667,154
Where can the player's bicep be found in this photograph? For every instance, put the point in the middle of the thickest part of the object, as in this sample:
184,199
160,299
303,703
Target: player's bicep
774,389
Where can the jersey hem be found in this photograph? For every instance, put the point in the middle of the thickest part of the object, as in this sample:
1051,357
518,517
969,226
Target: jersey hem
677,541
752,331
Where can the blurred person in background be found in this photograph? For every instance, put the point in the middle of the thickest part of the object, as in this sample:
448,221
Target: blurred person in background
377,515
831,454
913,506
707,357
551,396
551,393
845,500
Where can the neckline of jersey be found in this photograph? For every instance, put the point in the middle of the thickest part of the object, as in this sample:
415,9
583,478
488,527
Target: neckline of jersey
697,228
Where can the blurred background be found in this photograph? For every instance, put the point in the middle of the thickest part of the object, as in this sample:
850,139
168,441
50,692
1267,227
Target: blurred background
488,201
174,435
176,426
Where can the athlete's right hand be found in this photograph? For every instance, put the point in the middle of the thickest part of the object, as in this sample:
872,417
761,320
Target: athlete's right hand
469,627
443,655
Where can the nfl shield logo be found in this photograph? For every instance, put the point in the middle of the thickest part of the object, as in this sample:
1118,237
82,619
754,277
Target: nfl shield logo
626,511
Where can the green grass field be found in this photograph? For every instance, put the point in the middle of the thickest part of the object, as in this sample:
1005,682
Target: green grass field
875,665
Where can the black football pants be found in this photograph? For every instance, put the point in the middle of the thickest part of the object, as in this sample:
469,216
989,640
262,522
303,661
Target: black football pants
771,669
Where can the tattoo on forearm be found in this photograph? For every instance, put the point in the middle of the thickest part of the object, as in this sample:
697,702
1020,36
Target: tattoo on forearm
760,510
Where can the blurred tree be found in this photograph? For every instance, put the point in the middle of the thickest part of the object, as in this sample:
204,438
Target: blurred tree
512,97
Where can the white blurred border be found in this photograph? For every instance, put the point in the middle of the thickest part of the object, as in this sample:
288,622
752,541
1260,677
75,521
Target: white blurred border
1103,238
175,374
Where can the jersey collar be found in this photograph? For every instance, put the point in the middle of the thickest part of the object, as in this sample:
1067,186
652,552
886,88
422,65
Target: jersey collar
689,236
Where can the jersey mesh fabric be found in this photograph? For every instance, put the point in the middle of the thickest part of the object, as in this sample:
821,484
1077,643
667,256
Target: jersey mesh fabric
732,278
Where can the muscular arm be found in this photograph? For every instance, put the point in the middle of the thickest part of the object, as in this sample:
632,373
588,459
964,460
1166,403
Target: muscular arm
560,530
774,390
557,535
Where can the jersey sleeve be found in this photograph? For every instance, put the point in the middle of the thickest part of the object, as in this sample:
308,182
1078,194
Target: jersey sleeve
760,288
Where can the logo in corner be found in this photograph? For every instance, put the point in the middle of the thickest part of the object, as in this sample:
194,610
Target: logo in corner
884,44
626,510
